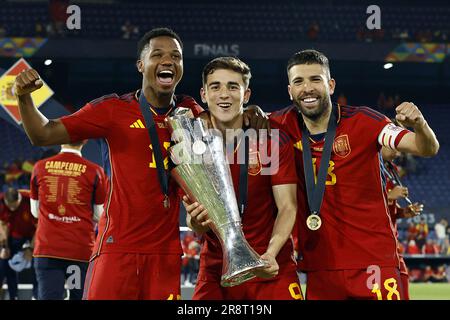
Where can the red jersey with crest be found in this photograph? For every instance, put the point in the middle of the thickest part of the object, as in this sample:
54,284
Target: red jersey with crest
67,187
260,212
135,219
21,223
356,228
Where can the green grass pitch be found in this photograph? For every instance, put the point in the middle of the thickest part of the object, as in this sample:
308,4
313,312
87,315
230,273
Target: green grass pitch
424,291
429,291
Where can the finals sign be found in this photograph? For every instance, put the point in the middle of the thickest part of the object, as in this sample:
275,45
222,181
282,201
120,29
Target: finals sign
7,99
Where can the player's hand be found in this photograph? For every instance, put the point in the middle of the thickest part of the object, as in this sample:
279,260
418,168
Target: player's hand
3,237
271,268
5,253
398,192
28,254
206,119
26,82
256,118
198,213
413,210
409,115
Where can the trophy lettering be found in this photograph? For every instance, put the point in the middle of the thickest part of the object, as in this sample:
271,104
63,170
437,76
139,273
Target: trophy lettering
204,174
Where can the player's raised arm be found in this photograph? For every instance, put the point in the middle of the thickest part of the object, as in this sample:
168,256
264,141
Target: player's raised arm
39,129
423,141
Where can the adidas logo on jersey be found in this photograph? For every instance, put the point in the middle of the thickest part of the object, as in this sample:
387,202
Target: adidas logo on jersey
137,124
110,239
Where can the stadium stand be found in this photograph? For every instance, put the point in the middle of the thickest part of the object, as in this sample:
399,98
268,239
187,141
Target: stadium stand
244,21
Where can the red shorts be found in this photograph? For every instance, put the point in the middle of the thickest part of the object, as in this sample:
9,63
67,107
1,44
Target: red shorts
405,284
284,287
405,277
130,276
383,284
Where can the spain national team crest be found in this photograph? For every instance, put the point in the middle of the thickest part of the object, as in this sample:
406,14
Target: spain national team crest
341,146
254,163
61,209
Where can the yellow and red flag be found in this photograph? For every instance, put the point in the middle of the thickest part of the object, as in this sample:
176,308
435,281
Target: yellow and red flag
7,99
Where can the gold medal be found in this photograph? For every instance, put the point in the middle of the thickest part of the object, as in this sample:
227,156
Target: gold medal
313,222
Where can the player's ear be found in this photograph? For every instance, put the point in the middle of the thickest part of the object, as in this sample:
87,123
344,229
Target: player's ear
203,95
289,91
247,95
332,85
140,66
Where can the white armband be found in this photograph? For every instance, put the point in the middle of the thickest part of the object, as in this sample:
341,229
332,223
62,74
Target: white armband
34,206
388,135
98,211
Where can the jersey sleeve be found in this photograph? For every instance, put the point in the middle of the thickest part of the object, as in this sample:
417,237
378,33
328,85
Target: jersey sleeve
94,120
378,129
34,188
189,102
282,148
101,186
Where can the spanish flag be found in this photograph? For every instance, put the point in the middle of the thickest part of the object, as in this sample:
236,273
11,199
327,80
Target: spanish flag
7,99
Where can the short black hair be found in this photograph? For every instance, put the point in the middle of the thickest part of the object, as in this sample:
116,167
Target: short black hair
154,33
11,195
228,63
309,56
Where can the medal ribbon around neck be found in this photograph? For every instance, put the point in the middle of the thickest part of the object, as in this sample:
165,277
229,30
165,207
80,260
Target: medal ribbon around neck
315,191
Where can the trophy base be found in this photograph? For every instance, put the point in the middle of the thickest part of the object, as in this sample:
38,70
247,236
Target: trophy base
240,277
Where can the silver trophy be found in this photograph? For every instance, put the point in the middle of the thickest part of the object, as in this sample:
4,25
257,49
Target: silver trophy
204,174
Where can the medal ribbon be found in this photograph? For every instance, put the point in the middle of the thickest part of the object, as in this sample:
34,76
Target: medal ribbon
315,191
150,123
243,177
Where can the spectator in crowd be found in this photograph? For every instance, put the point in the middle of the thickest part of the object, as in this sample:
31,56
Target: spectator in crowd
2,31
401,248
129,31
416,275
381,101
441,232
427,274
430,247
15,213
49,29
412,248
439,275
445,249
411,232
58,15
404,35
422,233
13,172
191,250
193,262
313,31
39,30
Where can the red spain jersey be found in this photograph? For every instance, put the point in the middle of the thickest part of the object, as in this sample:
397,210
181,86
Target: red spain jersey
67,187
356,228
21,223
135,219
260,212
